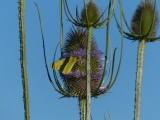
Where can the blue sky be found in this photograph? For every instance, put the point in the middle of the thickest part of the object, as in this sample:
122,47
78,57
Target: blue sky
44,101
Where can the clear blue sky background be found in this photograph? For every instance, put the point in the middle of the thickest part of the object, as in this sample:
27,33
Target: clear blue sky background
44,101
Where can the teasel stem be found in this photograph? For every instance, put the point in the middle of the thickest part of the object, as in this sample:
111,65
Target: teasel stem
92,0
82,108
22,37
61,26
88,69
140,57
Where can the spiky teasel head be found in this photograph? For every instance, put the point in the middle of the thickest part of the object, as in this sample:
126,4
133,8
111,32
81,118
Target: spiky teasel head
143,21
75,81
90,14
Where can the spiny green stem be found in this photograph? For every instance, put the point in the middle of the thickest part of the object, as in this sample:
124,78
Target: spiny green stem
88,91
91,0
61,26
82,108
22,36
140,57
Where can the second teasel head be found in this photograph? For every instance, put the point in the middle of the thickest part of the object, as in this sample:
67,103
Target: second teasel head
145,20
90,13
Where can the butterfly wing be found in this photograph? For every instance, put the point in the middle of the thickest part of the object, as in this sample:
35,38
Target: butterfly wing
56,65
69,65
64,65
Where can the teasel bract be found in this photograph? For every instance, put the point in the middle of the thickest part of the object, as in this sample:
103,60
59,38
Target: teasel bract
143,29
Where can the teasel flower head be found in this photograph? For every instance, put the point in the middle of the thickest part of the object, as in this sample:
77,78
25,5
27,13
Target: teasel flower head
90,15
75,81
144,21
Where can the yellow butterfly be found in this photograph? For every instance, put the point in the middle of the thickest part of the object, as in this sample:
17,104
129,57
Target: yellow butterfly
64,65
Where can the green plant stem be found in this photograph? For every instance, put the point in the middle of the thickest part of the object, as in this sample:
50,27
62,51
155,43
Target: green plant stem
61,26
88,91
140,57
82,106
91,0
22,36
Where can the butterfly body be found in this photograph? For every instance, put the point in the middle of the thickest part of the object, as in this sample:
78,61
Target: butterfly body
64,65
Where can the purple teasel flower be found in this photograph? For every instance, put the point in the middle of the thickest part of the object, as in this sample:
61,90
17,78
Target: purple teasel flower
75,80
